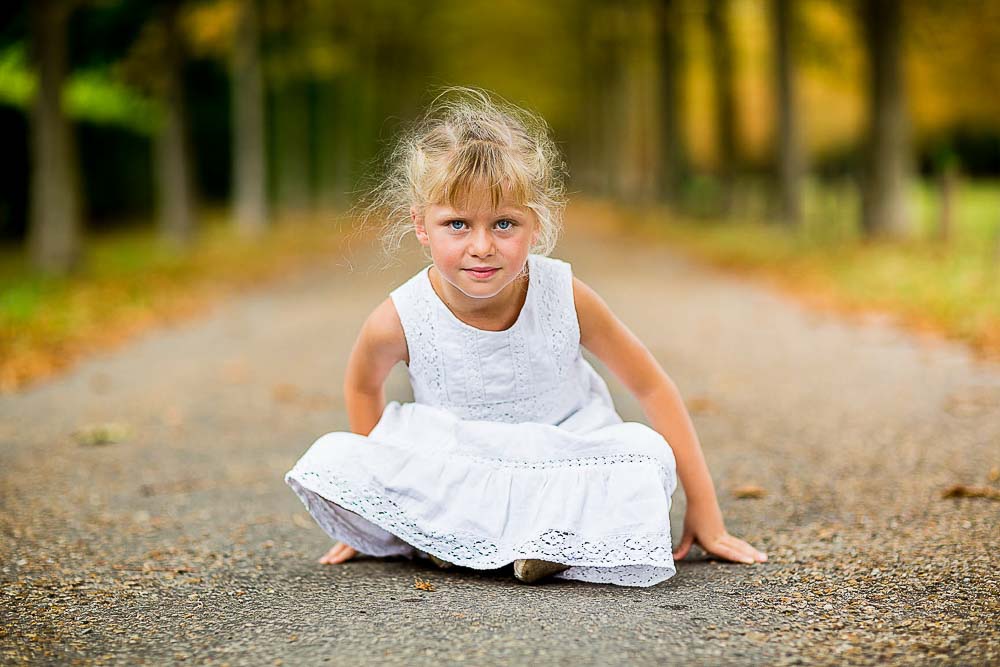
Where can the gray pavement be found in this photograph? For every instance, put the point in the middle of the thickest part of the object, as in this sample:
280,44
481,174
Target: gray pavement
181,542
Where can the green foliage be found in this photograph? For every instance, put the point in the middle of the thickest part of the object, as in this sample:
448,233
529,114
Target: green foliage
91,95
17,82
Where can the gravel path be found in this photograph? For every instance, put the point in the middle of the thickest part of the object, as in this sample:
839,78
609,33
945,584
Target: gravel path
181,542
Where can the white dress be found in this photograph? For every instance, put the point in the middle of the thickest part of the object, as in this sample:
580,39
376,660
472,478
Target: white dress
511,449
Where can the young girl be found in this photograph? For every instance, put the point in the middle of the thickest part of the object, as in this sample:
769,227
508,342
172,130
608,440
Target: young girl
512,451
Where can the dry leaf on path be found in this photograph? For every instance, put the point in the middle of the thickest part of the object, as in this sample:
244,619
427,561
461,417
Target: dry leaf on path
963,491
422,584
109,433
702,405
285,393
749,491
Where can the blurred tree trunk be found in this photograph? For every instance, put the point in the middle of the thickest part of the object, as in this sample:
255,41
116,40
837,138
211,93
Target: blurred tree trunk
291,146
673,153
633,182
360,97
331,184
614,110
725,115
789,152
390,75
55,225
602,113
884,208
249,159
176,191
289,106
587,169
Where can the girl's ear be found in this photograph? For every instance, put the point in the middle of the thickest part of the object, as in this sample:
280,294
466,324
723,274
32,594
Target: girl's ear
418,226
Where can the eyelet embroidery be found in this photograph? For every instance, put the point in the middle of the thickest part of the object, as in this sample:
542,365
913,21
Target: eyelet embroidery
628,559
522,367
667,476
425,367
473,368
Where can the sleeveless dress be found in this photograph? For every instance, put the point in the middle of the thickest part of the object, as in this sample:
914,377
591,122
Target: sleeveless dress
512,448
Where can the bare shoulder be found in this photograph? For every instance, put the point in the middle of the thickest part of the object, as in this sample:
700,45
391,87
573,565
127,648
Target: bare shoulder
383,333
582,292
379,346
611,341
592,312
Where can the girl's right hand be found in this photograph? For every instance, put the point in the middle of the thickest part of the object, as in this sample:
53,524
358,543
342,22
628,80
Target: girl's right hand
338,554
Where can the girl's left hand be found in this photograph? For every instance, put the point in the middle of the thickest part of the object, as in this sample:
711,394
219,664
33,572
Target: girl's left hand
704,526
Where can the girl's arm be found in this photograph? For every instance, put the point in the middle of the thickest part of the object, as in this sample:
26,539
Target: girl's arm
618,348
380,345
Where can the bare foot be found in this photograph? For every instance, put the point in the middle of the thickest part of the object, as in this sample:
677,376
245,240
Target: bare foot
338,554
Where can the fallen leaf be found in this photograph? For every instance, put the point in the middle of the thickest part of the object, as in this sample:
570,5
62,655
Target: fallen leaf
422,584
108,433
702,405
749,491
826,533
176,486
285,393
963,491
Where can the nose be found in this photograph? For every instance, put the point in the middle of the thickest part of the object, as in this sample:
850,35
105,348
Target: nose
481,243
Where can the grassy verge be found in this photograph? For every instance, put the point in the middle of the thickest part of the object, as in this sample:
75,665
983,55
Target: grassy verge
131,281
952,289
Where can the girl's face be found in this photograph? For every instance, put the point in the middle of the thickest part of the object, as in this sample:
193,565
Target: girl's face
478,249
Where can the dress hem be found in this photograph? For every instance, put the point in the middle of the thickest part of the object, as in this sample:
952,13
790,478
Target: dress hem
646,568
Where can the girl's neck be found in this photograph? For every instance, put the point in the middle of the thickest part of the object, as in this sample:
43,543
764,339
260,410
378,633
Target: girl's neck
495,313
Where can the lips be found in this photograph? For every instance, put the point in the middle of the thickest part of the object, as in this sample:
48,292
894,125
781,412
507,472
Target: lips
482,272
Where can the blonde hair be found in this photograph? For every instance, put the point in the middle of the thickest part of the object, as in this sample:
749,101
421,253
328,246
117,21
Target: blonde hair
469,138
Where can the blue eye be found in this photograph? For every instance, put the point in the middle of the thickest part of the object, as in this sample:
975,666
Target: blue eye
503,225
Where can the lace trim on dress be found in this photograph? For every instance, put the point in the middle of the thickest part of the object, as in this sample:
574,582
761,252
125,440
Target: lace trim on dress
627,559
666,474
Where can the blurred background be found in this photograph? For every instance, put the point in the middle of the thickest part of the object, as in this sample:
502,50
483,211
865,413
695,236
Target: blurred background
153,146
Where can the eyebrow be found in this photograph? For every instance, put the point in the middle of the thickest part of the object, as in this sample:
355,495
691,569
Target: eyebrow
452,213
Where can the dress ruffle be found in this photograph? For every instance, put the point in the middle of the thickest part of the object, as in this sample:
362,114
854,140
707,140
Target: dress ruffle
593,493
